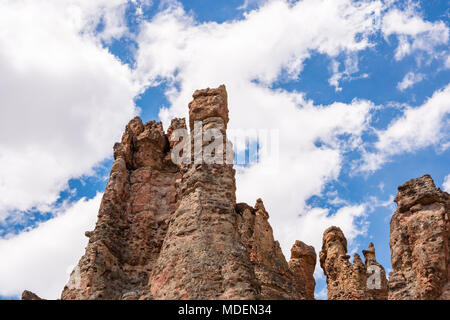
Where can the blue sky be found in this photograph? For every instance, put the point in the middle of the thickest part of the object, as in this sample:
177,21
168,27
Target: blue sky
358,90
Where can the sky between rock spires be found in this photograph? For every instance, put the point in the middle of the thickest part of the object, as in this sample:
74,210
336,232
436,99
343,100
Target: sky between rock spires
358,90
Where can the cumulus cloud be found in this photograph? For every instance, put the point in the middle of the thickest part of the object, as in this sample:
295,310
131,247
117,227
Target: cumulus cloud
64,98
447,62
409,80
413,33
417,128
41,259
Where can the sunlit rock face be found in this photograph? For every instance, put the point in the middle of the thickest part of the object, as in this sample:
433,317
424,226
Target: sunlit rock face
420,242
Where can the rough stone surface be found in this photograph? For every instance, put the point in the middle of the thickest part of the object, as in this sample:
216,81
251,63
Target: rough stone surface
277,278
167,231
420,243
174,231
28,295
133,218
346,280
302,265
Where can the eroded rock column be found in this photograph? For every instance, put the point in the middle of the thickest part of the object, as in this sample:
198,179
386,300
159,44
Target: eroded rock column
133,218
350,281
302,265
420,252
202,256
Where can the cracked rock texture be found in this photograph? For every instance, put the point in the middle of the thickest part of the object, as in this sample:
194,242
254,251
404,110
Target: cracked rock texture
174,231
420,242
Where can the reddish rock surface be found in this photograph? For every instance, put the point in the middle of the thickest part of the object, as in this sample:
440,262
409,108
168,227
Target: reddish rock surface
168,231
420,242
346,280
302,265
133,218
277,279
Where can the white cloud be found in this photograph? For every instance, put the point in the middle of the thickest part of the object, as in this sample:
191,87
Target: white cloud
41,260
413,33
446,184
447,62
64,99
417,128
250,3
409,80
273,40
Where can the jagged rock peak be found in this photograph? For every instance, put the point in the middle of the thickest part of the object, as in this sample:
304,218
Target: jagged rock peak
420,242
350,281
209,103
174,231
302,265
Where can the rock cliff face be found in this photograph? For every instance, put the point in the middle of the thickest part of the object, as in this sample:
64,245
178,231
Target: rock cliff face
346,280
170,230
420,242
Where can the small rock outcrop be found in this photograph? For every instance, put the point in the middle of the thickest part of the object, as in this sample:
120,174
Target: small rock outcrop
346,280
420,242
173,230
28,295
302,265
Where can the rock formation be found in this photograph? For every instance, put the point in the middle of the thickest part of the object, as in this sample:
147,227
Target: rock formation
420,242
302,265
346,280
28,295
170,230
420,251
169,227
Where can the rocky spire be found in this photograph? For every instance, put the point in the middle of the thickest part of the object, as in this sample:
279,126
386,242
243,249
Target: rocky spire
346,280
173,230
203,256
133,218
302,265
420,242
